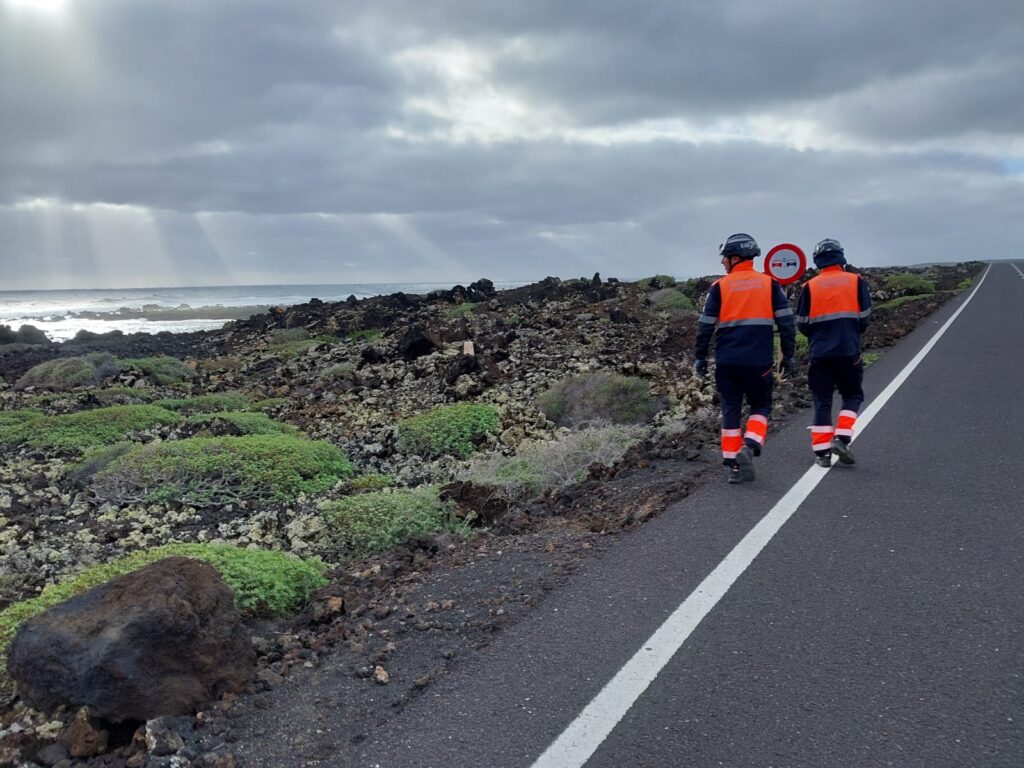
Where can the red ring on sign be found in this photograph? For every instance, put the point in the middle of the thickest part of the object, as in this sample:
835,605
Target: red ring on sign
801,268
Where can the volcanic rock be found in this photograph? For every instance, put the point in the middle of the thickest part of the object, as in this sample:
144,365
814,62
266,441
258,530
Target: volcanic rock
159,641
418,342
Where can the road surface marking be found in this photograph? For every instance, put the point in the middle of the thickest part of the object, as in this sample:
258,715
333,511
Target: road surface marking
1018,269
584,735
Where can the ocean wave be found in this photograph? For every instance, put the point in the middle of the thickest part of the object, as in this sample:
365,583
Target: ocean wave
155,312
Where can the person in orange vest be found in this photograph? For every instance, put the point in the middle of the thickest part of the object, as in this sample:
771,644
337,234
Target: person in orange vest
832,312
742,307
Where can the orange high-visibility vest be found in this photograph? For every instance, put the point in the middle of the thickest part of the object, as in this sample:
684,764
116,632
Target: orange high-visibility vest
833,296
746,297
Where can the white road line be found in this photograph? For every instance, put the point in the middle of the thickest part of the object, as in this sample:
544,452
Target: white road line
1018,270
584,735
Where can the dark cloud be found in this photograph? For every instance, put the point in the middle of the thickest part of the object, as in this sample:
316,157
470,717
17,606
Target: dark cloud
448,140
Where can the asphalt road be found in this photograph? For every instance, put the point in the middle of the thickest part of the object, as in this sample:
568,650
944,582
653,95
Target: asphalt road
883,625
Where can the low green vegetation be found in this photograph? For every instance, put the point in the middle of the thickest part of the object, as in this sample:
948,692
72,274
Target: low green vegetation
600,396
340,372
96,459
371,482
369,334
93,369
544,466
870,358
18,417
293,342
118,395
375,522
217,401
86,429
908,284
965,284
246,423
453,430
265,583
660,281
211,470
899,301
670,300
66,373
802,345
162,369
462,309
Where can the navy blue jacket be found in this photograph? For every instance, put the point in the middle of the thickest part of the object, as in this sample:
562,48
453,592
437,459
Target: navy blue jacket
746,341
831,319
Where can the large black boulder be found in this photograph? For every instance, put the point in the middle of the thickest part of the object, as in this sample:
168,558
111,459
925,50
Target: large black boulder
163,640
417,342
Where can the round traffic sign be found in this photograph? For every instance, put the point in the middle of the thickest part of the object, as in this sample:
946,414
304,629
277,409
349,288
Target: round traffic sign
786,263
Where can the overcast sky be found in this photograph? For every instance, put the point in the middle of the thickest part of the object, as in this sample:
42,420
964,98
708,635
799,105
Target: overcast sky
190,142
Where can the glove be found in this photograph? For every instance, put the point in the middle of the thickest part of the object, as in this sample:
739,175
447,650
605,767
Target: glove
788,367
700,368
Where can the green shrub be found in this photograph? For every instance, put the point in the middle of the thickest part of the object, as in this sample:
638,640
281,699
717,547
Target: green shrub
599,397
161,369
60,375
870,358
121,396
900,301
462,310
293,342
217,401
661,281
964,284
370,334
374,522
371,482
340,372
18,417
672,301
453,430
265,583
543,466
97,459
908,284
802,345
247,423
287,335
208,470
86,429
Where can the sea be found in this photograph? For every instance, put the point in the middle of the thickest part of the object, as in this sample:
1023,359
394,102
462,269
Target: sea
62,314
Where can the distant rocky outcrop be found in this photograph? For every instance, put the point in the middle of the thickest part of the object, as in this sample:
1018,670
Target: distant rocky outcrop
26,334
160,641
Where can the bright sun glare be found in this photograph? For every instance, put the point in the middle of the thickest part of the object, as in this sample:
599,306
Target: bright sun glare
47,6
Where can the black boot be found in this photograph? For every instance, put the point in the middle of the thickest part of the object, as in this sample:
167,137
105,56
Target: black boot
842,449
745,461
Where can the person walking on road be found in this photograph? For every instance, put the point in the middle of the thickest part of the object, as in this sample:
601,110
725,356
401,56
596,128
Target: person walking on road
743,306
832,312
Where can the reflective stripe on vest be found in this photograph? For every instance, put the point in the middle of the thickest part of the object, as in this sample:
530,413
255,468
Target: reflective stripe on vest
833,296
746,297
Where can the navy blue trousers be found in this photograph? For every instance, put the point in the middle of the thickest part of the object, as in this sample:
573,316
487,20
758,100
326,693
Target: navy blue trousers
827,374
736,382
